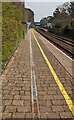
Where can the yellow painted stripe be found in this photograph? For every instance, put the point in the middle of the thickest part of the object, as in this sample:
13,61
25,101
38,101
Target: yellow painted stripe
62,89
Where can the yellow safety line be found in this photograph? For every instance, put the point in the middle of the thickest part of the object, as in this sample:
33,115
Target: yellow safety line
62,89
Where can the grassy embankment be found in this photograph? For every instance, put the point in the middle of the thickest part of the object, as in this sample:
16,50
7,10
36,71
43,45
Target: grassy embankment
12,29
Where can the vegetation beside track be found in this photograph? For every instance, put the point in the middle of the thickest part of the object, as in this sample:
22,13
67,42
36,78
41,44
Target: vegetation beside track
62,20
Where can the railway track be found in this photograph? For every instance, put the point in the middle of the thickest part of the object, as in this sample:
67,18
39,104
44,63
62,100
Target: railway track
66,45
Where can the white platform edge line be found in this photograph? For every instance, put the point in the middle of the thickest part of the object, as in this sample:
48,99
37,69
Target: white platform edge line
56,48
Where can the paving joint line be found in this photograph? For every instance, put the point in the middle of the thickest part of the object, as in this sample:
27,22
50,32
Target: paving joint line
35,105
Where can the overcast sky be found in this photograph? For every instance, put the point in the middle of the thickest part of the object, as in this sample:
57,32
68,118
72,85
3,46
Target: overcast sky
43,8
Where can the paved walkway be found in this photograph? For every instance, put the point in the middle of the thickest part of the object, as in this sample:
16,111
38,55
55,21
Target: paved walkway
28,87
17,84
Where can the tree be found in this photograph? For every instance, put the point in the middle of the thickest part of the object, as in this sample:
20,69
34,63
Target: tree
43,22
56,12
64,7
71,12
63,19
71,9
57,26
49,19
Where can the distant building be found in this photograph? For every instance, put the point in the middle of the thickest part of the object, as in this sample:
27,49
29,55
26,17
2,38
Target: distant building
29,15
37,23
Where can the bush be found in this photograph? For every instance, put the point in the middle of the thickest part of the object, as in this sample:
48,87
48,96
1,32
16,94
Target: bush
66,30
12,29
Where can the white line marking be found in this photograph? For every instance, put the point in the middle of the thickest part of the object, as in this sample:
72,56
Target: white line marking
33,85
56,48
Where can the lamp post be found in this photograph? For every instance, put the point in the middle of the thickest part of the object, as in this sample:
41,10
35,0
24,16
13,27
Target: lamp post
25,25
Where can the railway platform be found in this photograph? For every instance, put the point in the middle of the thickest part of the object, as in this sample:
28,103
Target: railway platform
38,82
